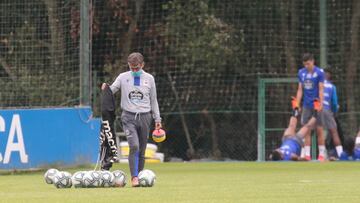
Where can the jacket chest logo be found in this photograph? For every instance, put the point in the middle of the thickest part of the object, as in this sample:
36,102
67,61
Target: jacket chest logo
136,95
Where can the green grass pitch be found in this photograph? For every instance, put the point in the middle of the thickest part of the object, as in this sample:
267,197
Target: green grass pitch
206,182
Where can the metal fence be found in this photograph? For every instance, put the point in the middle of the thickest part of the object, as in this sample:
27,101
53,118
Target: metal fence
206,57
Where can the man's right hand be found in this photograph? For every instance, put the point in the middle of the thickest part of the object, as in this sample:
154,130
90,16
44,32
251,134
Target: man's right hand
103,86
294,103
295,107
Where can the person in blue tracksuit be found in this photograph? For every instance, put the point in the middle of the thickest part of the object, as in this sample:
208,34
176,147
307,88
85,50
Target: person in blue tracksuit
351,149
330,107
292,143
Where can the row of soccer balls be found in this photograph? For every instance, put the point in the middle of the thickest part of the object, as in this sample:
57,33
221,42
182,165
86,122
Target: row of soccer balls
90,179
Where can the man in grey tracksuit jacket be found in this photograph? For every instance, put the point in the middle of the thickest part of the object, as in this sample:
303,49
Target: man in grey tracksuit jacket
139,106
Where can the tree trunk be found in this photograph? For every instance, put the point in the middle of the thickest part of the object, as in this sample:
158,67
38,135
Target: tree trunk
7,69
352,65
128,38
57,44
182,117
216,153
287,32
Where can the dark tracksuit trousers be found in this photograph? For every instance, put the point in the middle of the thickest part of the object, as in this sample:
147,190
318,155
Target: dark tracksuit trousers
108,147
136,127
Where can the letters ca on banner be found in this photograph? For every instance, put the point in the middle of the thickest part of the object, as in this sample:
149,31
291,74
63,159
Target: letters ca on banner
15,131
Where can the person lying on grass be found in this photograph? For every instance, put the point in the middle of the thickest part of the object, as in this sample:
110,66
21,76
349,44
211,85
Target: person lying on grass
292,142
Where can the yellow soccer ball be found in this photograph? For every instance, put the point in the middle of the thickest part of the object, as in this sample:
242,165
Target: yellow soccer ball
159,135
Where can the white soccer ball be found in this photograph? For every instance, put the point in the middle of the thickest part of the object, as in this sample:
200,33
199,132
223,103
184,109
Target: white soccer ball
147,178
62,179
119,178
107,179
49,175
91,179
77,179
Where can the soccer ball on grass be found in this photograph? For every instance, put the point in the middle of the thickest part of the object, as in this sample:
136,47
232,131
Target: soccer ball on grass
147,178
62,179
